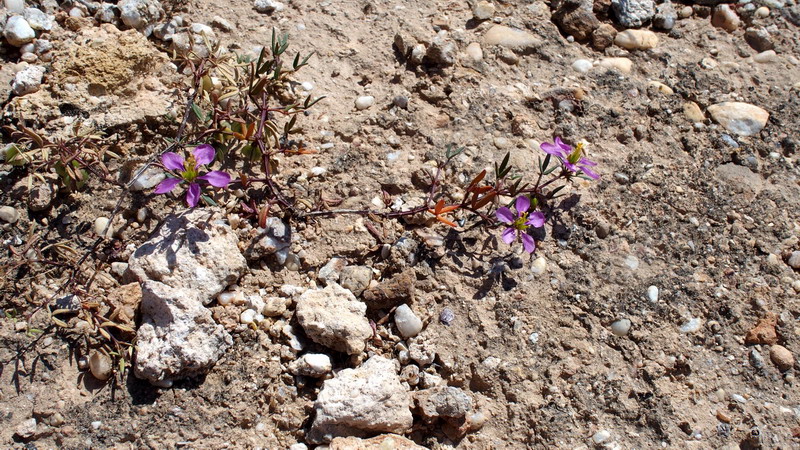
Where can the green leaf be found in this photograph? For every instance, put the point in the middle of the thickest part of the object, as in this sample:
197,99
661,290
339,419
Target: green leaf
287,129
198,112
251,152
14,156
451,152
550,170
208,200
546,163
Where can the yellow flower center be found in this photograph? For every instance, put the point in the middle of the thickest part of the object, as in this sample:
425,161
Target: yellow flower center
189,173
519,223
576,154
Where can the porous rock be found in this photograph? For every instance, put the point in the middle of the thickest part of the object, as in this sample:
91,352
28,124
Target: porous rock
764,331
333,317
365,400
178,336
28,80
398,289
445,402
576,18
140,14
633,13
382,442
191,250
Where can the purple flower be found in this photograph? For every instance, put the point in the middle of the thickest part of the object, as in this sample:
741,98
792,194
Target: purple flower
188,171
520,223
573,159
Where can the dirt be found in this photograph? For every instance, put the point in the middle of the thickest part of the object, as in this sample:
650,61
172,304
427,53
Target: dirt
712,225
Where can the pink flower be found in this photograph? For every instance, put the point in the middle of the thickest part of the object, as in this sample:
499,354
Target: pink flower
188,171
573,159
519,224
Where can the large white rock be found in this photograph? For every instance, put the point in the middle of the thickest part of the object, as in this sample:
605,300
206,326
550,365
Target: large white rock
333,317
18,32
367,400
140,14
191,250
178,336
38,20
743,119
407,323
28,80
517,40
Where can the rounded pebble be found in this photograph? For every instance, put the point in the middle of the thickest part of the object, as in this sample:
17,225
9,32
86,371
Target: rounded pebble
100,365
539,265
621,327
447,316
652,293
364,102
9,214
582,65
762,12
100,224
781,356
248,316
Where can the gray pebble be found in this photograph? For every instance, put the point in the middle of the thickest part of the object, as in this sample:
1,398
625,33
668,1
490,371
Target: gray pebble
9,214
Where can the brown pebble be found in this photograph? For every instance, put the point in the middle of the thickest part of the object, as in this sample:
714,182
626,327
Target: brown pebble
723,417
764,331
782,357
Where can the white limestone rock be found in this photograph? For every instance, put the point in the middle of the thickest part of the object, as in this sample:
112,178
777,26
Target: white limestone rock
366,400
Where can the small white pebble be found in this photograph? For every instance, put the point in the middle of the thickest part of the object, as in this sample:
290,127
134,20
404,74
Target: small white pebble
692,325
317,171
621,327
307,85
100,224
96,424
248,316
539,265
652,294
364,102
632,262
601,436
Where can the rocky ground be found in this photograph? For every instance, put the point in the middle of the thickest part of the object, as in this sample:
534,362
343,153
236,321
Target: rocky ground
659,310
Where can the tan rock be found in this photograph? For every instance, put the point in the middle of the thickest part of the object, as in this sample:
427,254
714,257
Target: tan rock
693,112
603,36
516,40
663,88
782,357
382,442
636,39
724,17
624,65
763,332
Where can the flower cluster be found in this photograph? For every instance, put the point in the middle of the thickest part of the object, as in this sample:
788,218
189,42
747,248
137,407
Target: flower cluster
188,170
518,223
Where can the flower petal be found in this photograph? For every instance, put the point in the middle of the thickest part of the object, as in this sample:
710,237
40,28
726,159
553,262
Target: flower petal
216,178
523,204
528,243
586,162
193,195
536,219
172,161
590,173
560,143
509,235
504,215
203,154
571,167
167,185
552,149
